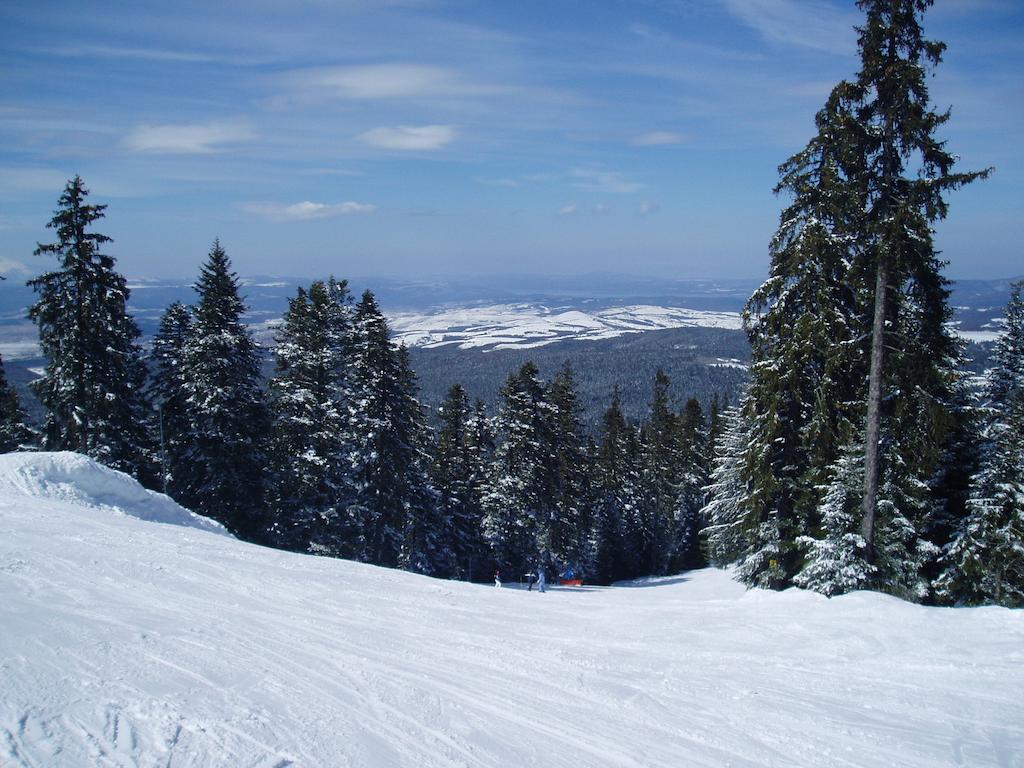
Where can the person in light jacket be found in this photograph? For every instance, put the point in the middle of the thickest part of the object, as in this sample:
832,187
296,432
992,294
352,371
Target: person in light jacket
542,580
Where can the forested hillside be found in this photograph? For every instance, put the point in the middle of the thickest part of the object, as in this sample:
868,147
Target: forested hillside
701,362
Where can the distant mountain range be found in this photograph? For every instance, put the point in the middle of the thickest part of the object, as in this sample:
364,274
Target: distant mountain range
501,312
526,326
615,331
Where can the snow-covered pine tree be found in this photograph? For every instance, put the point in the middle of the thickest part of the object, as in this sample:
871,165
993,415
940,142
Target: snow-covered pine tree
854,260
614,550
836,562
166,389
694,474
564,535
802,323
660,476
456,474
393,513
836,558
985,562
92,384
726,537
521,490
14,434
480,447
223,472
900,552
630,555
310,401
902,174
425,546
376,514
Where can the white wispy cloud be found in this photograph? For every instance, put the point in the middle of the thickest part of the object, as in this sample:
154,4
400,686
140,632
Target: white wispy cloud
409,137
599,180
146,54
306,210
384,81
647,207
568,210
659,139
602,208
813,24
187,139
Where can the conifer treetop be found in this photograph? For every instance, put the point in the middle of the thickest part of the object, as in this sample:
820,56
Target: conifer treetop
70,220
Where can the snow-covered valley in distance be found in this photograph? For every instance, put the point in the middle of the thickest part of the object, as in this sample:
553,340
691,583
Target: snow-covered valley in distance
136,634
491,326
524,326
505,313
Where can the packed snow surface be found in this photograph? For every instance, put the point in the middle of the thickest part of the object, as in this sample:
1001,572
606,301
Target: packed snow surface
126,641
523,326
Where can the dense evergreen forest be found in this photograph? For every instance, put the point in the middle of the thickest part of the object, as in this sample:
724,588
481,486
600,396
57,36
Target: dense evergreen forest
857,457
334,455
691,357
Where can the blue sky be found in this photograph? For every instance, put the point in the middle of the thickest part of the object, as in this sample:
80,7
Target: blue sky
439,137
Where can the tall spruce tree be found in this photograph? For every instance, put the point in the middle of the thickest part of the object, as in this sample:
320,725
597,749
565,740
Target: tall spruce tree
224,463
855,273
614,546
393,512
14,434
377,516
92,384
519,501
802,323
726,536
480,445
456,473
694,475
166,389
426,548
564,534
903,177
660,471
985,561
310,401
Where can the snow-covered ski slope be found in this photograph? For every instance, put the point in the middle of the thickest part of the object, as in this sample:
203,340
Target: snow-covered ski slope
126,641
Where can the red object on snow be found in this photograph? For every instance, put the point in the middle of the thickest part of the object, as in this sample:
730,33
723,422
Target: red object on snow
571,582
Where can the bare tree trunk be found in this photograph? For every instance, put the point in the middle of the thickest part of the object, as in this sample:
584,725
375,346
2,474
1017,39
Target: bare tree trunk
872,428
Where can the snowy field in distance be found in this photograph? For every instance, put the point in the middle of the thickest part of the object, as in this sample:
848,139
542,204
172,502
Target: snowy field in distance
130,642
526,325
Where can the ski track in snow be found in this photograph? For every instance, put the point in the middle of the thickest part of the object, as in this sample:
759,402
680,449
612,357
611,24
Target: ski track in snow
129,642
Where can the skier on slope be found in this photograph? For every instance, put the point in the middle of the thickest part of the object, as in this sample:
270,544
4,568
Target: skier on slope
542,580
497,578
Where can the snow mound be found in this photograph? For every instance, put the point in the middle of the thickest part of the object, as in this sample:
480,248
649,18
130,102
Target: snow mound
76,479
